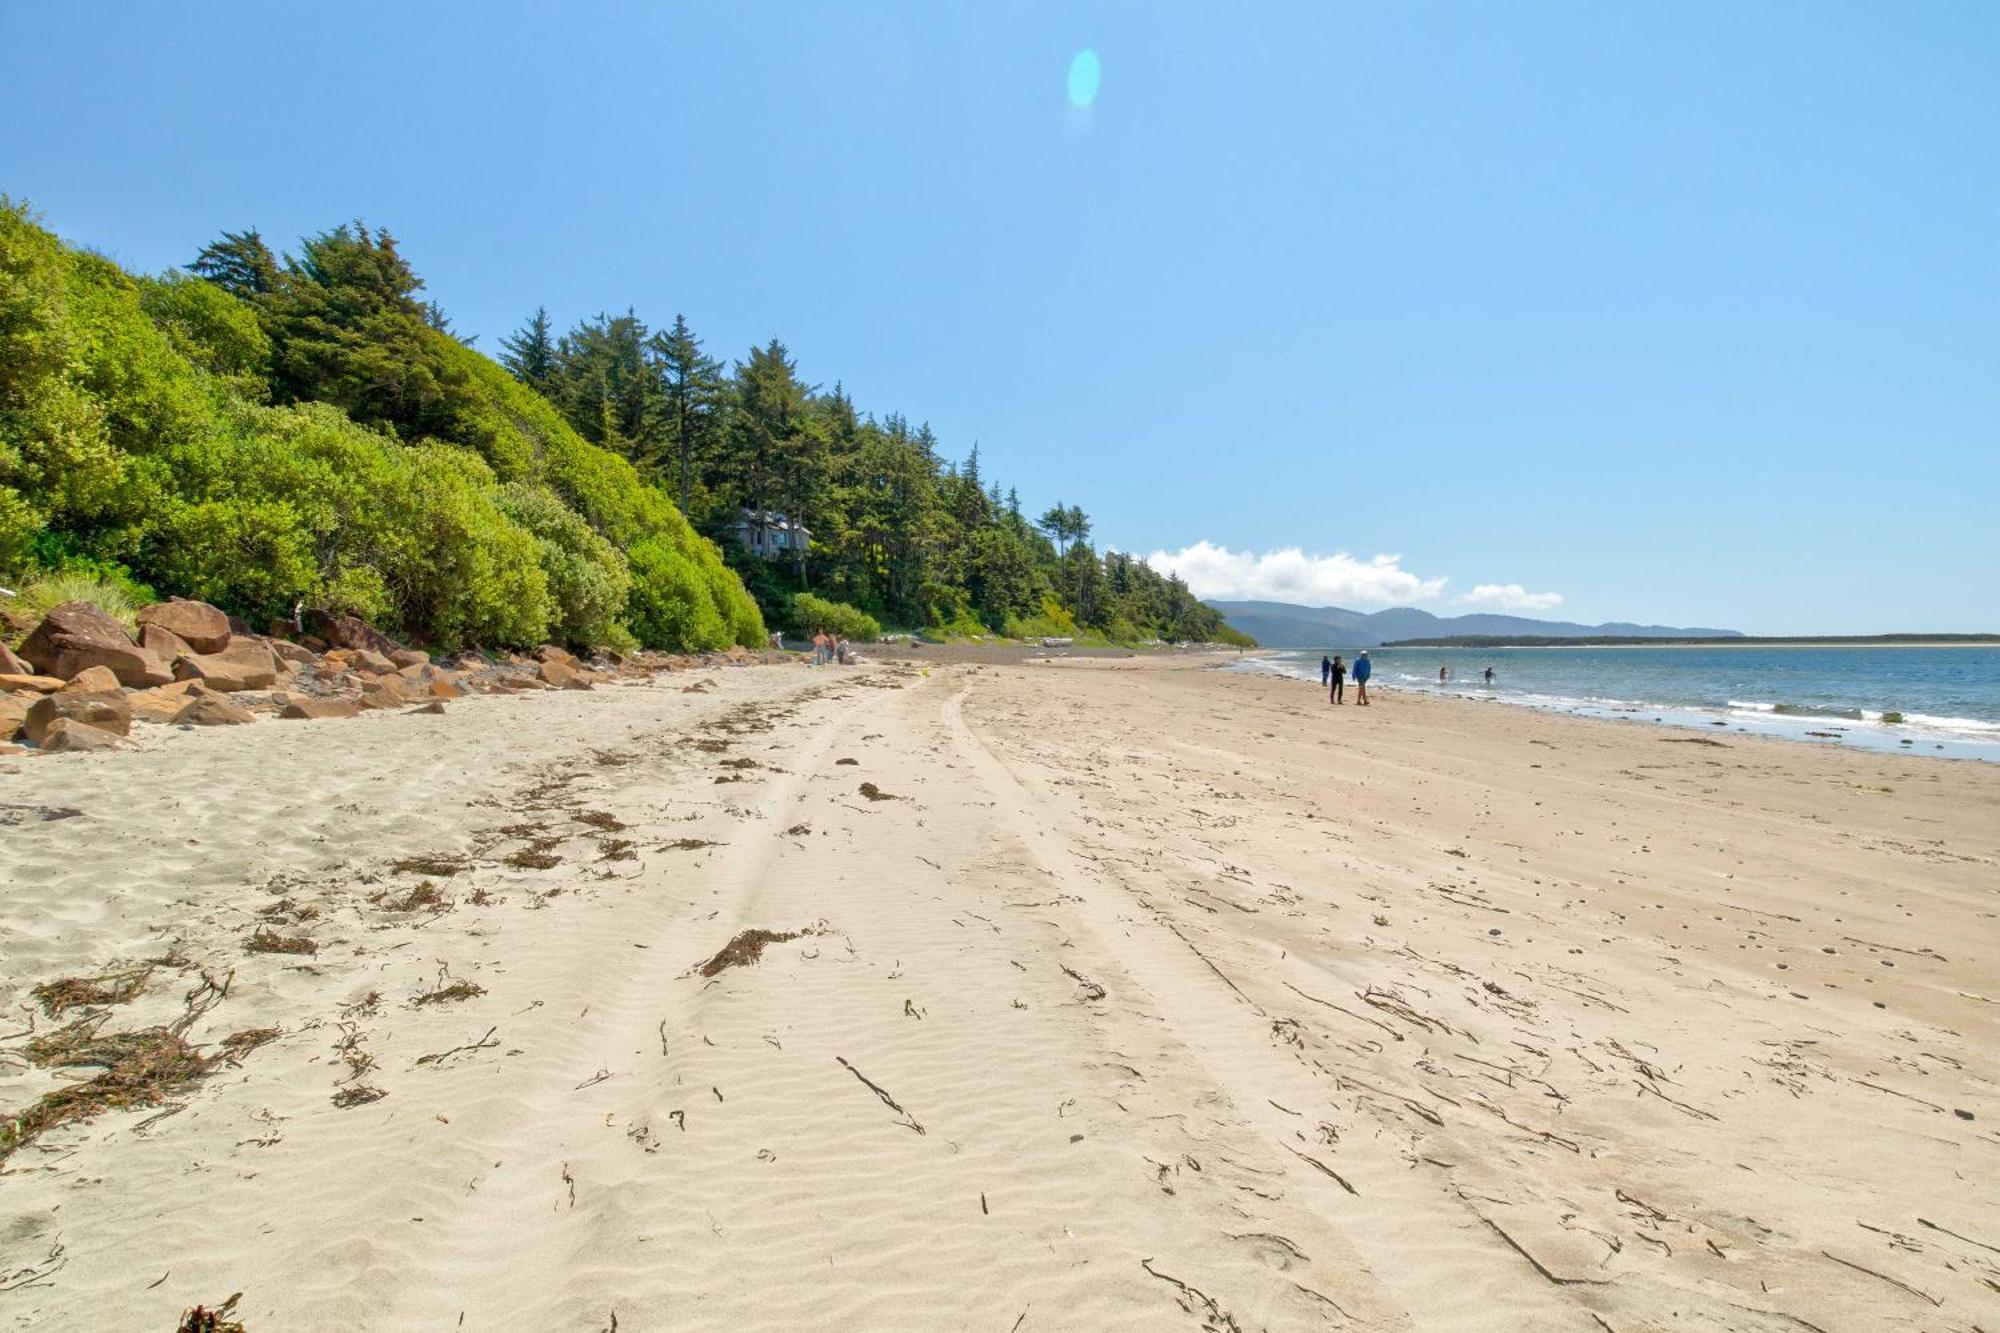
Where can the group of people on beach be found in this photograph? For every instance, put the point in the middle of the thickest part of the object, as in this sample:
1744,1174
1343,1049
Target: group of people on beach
829,648
1333,674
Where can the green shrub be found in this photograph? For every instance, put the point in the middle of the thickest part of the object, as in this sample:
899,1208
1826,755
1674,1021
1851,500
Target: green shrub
587,579
814,615
670,605
206,325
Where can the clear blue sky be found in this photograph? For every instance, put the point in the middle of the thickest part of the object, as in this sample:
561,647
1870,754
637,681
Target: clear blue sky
1688,313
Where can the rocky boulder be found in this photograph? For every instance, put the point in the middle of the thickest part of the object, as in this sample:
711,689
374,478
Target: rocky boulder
92,680
13,712
164,644
164,702
292,654
384,692
560,674
313,709
66,735
212,710
11,665
350,632
30,684
77,635
203,628
246,664
409,657
105,712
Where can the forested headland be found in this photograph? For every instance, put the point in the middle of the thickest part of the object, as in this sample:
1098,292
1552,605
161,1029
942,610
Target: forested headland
264,431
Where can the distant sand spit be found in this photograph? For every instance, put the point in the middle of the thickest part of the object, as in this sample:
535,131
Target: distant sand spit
1008,995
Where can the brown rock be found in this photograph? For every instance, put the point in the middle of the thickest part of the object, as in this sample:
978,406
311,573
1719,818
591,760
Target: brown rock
106,712
11,665
92,680
13,712
31,684
163,643
66,734
561,674
384,692
350,632
445,689
246,664
318,708
409,657
377,663
200,626
548,652
293,653
212,710
434,706
162,702
77,635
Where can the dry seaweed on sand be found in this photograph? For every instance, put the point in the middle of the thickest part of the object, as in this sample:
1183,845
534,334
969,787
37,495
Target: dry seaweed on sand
436,864
600,819
534,858
420,899
239,1044
267,940
689,844
139,1069
875,793
748,947
77,992
357,1094
201,1319
448,992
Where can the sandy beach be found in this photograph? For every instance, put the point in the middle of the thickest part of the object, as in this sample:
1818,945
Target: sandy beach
1097,994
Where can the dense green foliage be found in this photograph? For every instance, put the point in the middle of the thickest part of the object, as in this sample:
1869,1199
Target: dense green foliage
816,615
277,431
896,531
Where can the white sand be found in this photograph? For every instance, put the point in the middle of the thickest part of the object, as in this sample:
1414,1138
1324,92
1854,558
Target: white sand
1428,1016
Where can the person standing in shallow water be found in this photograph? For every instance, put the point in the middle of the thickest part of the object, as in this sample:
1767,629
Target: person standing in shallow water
1325,669
1363,668
1336,674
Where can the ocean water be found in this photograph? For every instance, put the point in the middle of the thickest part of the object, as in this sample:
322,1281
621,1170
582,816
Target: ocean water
1948,698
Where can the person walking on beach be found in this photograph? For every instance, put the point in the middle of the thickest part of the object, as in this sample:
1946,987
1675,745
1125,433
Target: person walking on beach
1336,673
1325,669
822,648
1362,670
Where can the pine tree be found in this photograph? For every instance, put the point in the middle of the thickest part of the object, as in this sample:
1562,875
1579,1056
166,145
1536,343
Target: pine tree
694,397
240,263
530,353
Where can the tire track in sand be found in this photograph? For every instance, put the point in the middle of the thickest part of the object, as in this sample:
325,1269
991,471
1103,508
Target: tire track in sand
1425,1249
546,1137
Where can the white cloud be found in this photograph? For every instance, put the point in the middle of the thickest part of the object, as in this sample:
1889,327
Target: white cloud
1290,575
1511,597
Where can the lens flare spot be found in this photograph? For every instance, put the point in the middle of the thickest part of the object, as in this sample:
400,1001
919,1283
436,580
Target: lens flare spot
1084,76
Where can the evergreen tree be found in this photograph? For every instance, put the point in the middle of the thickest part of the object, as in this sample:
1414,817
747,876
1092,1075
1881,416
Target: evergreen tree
694,401
530,353
239,263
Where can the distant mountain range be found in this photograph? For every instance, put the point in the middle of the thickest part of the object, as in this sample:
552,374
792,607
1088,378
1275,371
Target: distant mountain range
1282,625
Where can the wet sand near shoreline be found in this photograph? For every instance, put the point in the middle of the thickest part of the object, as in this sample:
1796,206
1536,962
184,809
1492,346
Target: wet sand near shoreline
973,991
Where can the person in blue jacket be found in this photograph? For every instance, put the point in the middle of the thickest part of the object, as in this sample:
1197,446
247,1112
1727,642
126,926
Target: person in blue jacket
1362,670
1325,669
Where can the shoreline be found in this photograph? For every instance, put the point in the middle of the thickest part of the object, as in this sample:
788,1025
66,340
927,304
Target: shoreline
1916,735
1081,979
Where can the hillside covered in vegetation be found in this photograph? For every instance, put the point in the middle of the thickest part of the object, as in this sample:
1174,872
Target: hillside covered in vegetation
267,431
